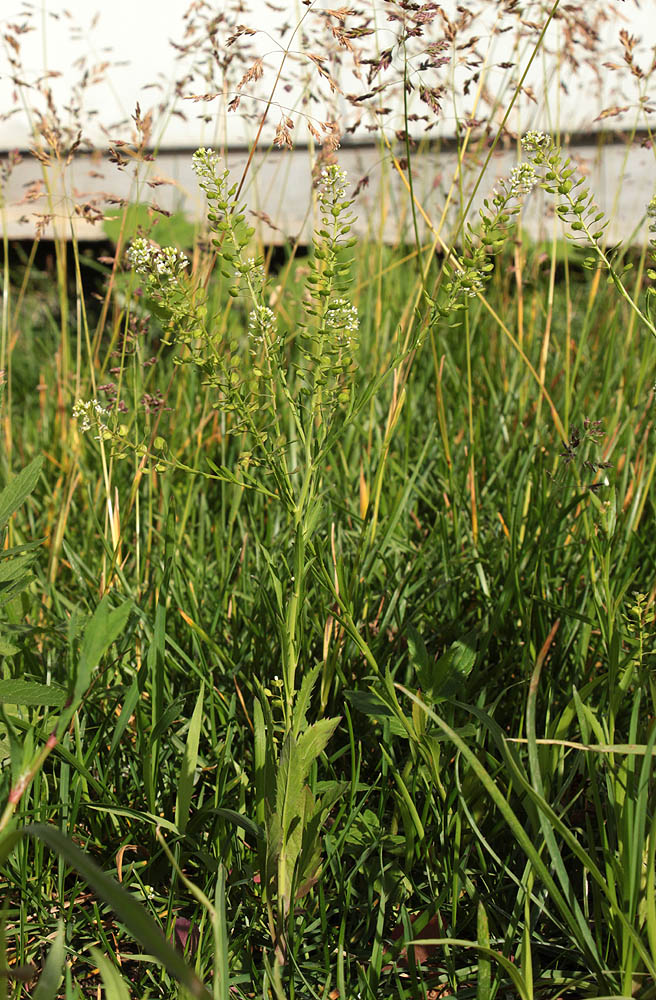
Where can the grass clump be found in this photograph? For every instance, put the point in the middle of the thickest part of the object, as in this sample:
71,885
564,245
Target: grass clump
327,604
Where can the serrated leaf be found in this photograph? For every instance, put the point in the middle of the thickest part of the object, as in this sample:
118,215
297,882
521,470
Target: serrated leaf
303,698
289,785
29,693
313,741
11,569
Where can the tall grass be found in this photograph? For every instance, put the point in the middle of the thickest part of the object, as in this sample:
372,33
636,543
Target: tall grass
327,645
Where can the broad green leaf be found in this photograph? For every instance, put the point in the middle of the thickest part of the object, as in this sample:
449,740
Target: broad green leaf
104,626
18,489
19,692
417,650
7,648
7,844
446,677
289,785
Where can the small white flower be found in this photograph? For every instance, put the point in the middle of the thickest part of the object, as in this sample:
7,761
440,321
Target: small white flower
535,140
262,324
88,413
205,164
332,186
343,320
523,179
153,261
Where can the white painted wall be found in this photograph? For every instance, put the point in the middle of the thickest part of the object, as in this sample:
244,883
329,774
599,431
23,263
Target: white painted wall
124,50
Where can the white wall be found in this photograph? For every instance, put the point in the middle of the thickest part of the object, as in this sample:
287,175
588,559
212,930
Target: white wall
100,63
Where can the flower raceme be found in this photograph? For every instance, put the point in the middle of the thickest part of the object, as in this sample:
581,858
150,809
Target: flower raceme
89,414
154,262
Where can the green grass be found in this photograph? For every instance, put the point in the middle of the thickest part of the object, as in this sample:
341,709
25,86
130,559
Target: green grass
476,582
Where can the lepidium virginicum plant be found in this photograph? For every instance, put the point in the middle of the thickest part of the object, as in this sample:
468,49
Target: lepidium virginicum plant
288,415
465,276
315,388
317,393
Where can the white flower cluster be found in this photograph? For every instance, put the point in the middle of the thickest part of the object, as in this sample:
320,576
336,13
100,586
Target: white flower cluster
152,261
205,164
332,186
523,179
88,413
535,140
342,318
261,325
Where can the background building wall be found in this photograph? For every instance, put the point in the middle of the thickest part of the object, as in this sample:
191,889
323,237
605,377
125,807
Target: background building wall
137,76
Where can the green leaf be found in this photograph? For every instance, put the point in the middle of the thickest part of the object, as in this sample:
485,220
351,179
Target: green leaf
446,677
417,650
222,989
370,704
289,785
115,988
100,632
303,698
131,699
12,569
231,816
19,692
53,970
484,980
189,761
18,490
313,741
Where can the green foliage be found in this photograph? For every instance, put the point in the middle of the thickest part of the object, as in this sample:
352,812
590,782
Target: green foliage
342,679
15,561
291,815
169,230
